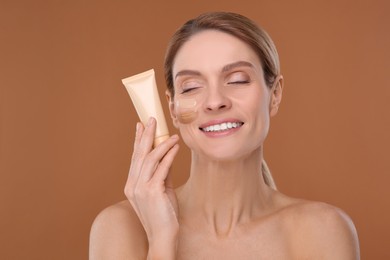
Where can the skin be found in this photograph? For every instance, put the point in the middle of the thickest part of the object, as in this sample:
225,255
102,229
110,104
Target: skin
225,210
186,110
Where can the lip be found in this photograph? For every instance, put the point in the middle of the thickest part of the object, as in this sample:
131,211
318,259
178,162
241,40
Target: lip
220,133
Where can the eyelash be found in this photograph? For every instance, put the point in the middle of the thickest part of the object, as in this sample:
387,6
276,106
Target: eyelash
239,82
187,90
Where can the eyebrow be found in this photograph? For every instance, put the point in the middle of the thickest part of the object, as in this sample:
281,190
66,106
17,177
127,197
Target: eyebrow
225,68
187,73
236,65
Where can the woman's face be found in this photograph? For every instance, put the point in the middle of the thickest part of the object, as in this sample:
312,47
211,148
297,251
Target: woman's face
221,104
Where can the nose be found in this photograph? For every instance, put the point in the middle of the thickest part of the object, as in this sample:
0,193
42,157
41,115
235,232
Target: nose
216,100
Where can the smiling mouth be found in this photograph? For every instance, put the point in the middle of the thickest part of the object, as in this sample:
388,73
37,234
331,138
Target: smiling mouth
221,127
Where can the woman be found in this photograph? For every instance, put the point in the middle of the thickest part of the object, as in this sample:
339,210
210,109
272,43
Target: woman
229,70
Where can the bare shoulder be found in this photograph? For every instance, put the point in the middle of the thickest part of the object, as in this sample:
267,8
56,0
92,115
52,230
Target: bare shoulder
321,231
117,233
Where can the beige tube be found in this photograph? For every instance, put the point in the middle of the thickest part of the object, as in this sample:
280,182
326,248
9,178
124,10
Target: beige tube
143,92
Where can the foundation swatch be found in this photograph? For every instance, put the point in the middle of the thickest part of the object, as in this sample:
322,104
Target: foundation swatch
186,110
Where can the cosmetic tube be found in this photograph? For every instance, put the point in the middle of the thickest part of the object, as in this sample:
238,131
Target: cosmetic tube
143,92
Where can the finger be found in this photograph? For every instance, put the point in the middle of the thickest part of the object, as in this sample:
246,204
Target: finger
135,156
136,164
163,167
147,138
169,179
142,146
138,133
156,156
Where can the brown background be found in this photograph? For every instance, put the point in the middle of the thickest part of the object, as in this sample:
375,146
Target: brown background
67,123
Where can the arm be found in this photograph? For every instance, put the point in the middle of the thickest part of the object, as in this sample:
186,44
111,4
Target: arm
151,215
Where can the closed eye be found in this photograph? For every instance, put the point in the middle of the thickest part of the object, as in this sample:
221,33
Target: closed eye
190,86
187,90
239,82
238,78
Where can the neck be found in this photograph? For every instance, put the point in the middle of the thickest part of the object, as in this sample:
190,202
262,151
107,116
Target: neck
223,194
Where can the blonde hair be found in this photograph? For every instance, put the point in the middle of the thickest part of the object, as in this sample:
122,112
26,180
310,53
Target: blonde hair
267,176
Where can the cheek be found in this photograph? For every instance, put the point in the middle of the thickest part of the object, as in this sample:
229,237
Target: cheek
186,110
256,103
263,118
188,134
187,117
258,109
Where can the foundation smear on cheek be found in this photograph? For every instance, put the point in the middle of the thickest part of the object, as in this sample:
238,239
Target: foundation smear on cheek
186,110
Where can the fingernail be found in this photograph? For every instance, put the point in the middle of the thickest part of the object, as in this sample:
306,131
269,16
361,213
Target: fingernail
174,137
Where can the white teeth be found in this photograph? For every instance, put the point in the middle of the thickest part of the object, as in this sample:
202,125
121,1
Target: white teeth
222,127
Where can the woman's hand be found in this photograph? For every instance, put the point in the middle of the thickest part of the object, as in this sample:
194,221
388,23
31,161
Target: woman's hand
150,191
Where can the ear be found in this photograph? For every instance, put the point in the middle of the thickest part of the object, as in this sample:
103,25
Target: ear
171,105
276,95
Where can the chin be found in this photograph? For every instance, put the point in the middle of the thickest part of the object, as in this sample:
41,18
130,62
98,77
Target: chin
224,149
225,154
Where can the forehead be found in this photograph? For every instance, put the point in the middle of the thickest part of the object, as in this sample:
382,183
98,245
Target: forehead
210,50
